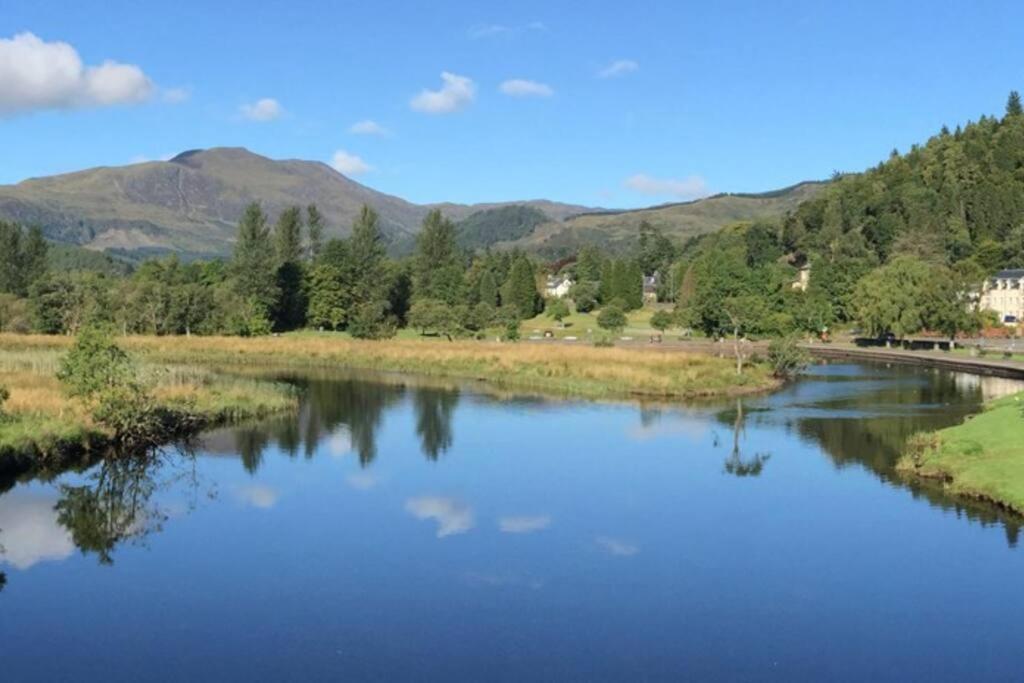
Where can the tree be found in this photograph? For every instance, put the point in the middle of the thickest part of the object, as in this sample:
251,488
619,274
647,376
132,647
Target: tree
488,290
290,309
254,265
1013,106
367,270
438,267
891,298
315,231
558,310
106,380
522,288
786,358
328,301
662,320
22,258
584,295
433,315
611,318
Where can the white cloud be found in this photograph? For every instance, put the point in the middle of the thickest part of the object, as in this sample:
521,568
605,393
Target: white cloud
452,517
456,93
691,187
619,67
617,547
523,525
339,443
369,127
36,75
349,164
520,87
31,532
361,481
175,95
258,496
266,109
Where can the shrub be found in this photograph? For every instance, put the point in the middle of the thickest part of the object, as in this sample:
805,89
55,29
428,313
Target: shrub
370,321
558,310
105,379
611,318
786,357
604,341
662,320
511,330
4,395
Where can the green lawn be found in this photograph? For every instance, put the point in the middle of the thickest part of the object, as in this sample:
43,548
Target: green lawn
577,325
981,458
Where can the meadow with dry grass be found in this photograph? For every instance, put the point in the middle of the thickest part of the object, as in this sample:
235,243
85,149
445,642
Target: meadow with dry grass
582,371
38,417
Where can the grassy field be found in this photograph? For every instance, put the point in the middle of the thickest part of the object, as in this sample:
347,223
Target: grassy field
982,458
39,418
582,371
584,327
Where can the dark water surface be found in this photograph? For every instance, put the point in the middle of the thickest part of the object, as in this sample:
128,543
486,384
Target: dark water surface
393,531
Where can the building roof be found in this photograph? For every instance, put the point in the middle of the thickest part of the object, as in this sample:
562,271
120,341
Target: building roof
1009,273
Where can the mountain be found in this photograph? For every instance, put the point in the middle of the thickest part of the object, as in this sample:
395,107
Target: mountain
619,230
191,204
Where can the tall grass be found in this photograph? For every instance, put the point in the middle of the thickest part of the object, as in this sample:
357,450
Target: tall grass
39,417
574,370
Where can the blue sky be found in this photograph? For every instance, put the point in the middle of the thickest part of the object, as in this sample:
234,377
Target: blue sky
705,97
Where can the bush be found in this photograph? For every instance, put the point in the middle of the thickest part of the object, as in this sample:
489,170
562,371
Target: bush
4,395
662,320
584,295
557,309
786,357
105,379
370,321
611,318
511,330
604,341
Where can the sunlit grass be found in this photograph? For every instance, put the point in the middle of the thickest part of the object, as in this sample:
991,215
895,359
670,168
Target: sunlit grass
575,370
981,458
39,416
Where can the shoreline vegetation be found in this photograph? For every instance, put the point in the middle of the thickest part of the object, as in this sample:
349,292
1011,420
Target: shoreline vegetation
579,371
42,425
200,382
980,459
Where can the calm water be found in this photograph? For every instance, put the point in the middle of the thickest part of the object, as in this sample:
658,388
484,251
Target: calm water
400,532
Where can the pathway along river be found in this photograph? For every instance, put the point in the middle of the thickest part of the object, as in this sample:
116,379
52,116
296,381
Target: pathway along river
401,532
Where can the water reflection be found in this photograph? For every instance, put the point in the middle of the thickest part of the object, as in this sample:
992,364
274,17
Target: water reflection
116,502
345,414
736,464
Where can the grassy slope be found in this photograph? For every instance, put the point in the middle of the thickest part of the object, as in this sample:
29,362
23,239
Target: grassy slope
40,418
619,230
565,370
981,458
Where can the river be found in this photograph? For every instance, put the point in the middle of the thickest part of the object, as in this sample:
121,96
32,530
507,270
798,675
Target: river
394,530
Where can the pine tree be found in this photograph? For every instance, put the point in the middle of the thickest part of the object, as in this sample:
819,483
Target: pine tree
488,289
315,231
254,263
288,235
523,287
438,268
366,269
1013,105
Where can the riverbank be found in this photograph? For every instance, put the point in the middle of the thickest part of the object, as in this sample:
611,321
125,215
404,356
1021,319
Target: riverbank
992,365
39,423
578,371
982,458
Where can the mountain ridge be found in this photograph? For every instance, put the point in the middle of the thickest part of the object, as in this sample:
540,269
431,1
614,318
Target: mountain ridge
191,203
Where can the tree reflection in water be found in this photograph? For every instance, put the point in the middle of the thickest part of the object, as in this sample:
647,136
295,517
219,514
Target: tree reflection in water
353,409
735,464
116,505
434,411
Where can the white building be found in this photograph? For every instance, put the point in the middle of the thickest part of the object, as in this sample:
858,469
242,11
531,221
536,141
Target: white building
557,287
1004,294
